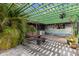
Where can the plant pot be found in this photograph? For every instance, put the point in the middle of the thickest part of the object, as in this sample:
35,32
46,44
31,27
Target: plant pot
74,46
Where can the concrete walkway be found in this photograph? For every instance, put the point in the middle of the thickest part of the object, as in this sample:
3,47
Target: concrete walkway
17,51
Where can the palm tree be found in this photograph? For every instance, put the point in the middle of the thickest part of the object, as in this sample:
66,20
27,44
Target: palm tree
13,23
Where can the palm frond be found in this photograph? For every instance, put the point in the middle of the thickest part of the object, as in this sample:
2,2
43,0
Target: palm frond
13,23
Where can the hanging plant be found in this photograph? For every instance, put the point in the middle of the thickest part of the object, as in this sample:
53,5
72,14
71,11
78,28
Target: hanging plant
62,15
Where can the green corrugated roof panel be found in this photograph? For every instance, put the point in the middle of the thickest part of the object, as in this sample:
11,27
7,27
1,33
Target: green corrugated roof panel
53,21
48,13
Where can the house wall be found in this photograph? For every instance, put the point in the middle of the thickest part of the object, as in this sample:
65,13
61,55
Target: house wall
59,34
54,30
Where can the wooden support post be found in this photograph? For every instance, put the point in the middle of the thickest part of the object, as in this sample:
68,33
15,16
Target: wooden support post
75,28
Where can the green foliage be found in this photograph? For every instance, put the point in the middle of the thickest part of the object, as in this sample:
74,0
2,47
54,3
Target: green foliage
31,29
12,25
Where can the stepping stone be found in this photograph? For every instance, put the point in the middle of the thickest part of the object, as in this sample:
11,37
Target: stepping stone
44,51
47,47
70,49
52,49
56,54
73,54
74,51
62,44
23,55
64,52
56,45
51,54
59,46
38,49
59,43
34,53
47,52
60,51
41,50
66,48
37,55
48,44
63,47
29,50
69,54
43,45
56,50
53,45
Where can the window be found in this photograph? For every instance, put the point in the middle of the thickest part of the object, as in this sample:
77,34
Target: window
61,26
